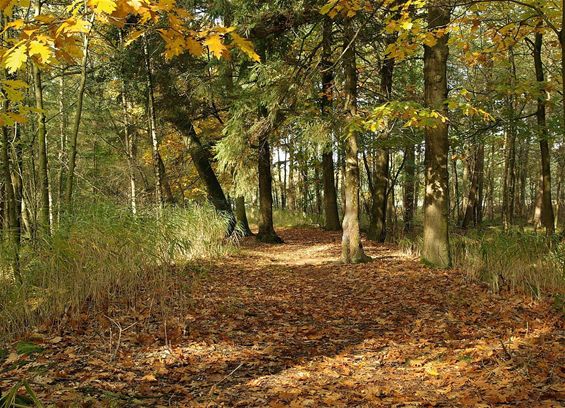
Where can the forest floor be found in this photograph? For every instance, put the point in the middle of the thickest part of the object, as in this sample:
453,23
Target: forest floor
287,325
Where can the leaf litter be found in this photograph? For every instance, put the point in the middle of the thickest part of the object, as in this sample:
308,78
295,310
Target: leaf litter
289,326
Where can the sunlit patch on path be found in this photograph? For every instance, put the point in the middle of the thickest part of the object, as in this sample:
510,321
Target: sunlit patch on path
289,326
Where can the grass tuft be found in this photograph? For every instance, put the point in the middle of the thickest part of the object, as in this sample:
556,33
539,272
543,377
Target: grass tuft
515,260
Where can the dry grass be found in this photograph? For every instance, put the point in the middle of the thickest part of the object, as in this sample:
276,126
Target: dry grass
517,261
105,256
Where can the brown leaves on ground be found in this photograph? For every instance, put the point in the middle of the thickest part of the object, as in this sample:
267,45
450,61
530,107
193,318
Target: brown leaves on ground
287,325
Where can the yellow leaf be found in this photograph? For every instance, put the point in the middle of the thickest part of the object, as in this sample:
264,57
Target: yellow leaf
41,49
430,370
194,47
134,35
102,6
73,25
407,25
246,46
15,58
215,45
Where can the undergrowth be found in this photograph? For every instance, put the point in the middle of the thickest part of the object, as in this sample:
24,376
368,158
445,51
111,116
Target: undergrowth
103,256
513,260
288,219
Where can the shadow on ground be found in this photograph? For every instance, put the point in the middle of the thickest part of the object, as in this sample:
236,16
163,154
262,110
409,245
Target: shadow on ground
288,325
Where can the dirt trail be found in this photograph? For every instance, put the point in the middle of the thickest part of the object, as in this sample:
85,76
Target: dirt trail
287,325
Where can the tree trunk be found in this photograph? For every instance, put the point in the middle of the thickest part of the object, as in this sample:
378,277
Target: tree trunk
241,216
165,185
377,227
129,138
481,179
63,163
12,225
508,192
547,216
43,215
266,227
352,249
408,199
455,205
473,192
330,194
436,249
153,127
201,158
76,124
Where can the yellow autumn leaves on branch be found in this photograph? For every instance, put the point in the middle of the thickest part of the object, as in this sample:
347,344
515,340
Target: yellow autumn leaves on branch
54,35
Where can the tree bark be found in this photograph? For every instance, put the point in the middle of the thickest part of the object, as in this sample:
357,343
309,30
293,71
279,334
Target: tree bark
153,127
241,215
547,215
436,249
352,248
201,158
470,209
409,179
12,224
43,214
378,219
509,188
76,124
377,227
266,226
63,163
330,193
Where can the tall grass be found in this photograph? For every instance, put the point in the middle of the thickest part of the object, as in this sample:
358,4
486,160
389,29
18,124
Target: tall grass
287,218
513,260
104,255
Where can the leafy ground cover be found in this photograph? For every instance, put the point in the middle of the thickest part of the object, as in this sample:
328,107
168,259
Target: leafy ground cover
289,326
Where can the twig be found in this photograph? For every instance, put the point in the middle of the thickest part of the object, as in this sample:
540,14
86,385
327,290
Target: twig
119,341
225,378
506,351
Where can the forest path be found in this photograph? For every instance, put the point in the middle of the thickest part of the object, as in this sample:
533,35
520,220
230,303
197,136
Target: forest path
287,325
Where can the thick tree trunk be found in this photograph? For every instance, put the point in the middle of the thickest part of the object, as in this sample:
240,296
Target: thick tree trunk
201,159
352,249
547,216
330,194
266,226
241,215
409,179
436,249
378,216
377,228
